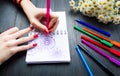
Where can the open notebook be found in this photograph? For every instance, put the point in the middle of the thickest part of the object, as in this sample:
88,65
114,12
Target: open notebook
52,48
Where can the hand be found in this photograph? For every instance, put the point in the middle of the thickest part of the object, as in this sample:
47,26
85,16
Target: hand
10,41
37,17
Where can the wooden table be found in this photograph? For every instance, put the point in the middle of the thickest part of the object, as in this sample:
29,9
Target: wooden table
11,16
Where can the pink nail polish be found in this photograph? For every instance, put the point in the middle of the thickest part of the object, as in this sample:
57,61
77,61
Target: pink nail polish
35,36
35,44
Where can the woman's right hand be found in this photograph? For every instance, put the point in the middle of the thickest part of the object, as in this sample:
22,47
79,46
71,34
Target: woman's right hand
37,16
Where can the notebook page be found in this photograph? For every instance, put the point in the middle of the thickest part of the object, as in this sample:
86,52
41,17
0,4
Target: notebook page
52,48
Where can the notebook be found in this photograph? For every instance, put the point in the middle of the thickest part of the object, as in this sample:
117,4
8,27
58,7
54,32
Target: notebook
51,48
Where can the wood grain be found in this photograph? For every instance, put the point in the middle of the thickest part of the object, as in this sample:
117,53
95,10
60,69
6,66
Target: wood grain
10,16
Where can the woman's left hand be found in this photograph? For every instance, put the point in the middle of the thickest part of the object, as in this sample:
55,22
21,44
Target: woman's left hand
10,41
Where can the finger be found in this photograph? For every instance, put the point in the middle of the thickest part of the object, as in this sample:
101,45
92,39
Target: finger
39,26
23,47
55,26
52,22
25,39
21,33
10,31
54,19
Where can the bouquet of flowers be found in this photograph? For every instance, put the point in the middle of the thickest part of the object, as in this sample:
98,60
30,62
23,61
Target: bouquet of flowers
104,10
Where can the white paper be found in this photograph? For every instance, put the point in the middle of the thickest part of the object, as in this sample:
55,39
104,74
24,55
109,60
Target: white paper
52,48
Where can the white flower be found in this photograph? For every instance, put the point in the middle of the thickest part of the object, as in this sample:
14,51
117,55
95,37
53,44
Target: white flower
108,19
116,22
112,17
117,18
104,10
80,3
104,2
109,9
105,7
85,4
116,11
75,8
118,4
72,3
110,4
101,17
94,2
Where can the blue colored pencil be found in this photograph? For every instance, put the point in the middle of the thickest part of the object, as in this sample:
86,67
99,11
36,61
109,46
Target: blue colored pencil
84,61
94,28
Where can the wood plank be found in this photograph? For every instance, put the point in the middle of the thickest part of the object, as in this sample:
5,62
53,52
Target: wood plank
7,15
16,66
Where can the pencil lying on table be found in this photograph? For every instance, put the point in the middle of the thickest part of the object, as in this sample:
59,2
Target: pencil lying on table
104,67
93,27
96,49
113,51
93,36
103,37
84,61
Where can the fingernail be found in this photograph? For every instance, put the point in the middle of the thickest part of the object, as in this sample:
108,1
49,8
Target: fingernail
35,44
35,35
46,31
31,27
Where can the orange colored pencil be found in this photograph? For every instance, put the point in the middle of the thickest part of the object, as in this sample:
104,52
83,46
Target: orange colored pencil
103,37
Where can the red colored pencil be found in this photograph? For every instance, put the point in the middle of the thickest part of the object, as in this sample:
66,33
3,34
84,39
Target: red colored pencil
113,51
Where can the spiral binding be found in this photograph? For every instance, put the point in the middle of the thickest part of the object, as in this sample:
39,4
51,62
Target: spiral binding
57,32
60,32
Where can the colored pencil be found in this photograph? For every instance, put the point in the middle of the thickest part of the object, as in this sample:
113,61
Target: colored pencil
104,67
93,36
111,59
84,61
94,28
103,37
113,51
48,13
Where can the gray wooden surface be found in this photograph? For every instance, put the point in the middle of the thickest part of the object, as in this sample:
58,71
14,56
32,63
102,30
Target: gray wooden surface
10,16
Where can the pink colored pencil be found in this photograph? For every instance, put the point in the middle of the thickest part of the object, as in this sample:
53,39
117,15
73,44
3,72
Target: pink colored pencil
48,13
